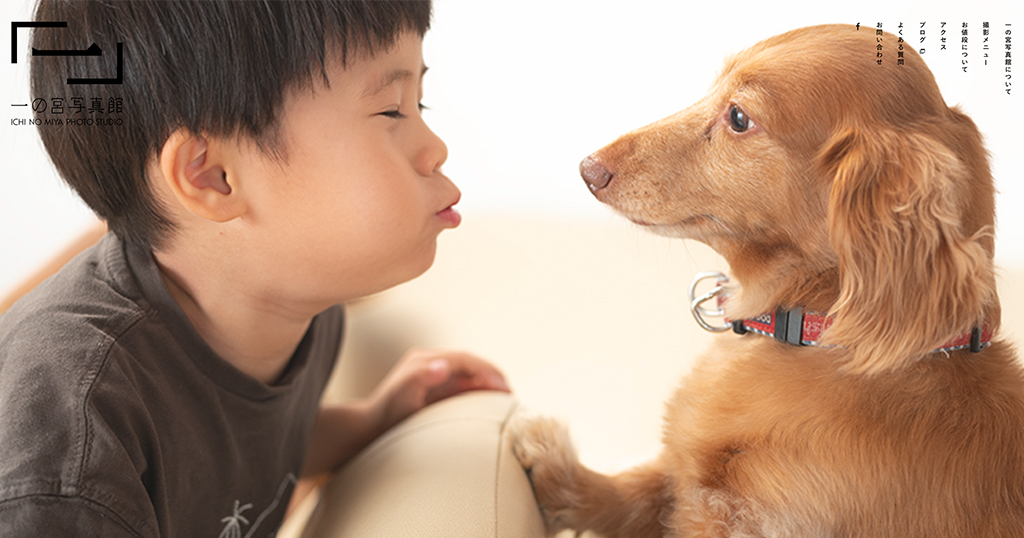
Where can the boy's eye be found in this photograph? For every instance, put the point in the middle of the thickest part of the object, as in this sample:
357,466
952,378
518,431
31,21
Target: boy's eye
397,114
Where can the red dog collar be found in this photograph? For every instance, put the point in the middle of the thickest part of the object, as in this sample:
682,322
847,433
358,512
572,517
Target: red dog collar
794,326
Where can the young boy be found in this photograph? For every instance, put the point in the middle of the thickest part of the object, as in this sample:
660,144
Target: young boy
271,162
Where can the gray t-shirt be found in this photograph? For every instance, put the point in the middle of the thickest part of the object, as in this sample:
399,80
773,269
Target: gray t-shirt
117,419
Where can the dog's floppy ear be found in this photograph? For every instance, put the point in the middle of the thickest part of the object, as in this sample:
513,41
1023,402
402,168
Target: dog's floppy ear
911,278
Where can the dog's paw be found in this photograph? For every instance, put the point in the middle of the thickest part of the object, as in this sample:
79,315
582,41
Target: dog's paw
545,450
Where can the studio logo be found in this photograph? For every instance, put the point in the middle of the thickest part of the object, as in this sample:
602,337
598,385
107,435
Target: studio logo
93,50
70,110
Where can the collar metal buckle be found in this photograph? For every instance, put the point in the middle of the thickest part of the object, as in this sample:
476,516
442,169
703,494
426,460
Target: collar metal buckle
696,308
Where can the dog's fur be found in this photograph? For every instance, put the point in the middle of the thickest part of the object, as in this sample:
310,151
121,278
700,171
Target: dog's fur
857,192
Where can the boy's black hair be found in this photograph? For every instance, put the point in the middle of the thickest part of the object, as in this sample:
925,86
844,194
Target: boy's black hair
220,68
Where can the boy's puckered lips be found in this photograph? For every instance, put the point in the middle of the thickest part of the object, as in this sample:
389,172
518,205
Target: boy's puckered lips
450,214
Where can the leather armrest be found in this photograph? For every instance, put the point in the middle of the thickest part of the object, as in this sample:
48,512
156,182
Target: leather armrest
446,472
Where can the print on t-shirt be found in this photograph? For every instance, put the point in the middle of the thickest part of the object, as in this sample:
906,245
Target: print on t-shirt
233,523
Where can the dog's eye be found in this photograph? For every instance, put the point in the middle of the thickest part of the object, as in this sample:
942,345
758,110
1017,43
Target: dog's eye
738,118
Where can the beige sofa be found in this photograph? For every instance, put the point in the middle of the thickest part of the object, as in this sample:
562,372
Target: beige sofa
590,323
447,472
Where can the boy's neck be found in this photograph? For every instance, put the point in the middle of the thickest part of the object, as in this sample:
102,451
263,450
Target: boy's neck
253,335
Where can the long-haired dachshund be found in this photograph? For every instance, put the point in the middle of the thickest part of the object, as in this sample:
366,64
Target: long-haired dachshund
866,395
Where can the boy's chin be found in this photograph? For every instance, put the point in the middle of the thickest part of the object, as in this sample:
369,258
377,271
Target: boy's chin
364,283
411,270
426,262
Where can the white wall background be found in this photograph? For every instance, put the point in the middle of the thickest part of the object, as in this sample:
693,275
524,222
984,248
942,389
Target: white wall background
521,91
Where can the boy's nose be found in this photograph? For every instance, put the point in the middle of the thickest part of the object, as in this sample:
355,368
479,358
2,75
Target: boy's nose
433,154
594,173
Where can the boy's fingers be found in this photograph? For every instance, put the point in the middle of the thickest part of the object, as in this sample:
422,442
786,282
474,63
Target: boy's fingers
446,373
478,373
438,370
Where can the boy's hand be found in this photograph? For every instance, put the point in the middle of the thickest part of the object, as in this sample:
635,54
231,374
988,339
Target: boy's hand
422,377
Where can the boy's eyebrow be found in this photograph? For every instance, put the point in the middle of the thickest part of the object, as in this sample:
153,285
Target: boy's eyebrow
393,76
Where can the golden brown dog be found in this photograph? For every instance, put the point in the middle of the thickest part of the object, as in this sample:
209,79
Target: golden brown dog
838,185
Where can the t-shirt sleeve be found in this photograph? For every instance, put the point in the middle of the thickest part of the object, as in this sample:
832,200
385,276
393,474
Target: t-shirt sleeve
70,517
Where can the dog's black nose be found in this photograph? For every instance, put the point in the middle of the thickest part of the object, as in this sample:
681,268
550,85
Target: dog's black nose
595,173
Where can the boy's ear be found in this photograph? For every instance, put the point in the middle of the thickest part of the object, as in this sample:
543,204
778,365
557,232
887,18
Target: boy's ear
196,169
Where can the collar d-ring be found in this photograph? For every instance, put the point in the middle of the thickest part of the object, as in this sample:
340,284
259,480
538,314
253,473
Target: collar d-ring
696,302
